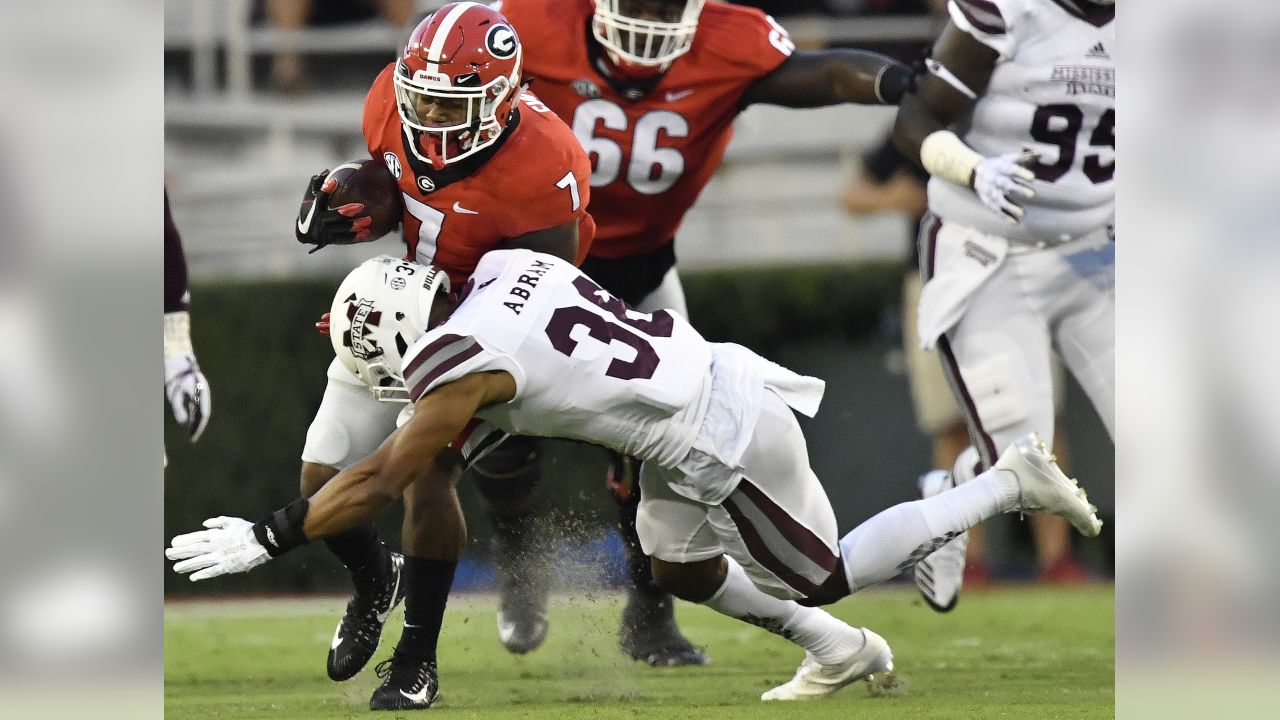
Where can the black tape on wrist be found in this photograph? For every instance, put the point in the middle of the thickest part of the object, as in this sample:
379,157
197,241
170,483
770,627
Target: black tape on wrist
894,81
281,531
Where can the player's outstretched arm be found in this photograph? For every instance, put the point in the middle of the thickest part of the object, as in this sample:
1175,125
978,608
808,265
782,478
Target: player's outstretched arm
958,72
830,77
412,454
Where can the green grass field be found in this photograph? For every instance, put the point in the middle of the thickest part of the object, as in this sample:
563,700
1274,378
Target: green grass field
1008,653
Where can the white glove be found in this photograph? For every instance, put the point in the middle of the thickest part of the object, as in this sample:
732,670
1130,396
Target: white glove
228,546
1002,181
184,385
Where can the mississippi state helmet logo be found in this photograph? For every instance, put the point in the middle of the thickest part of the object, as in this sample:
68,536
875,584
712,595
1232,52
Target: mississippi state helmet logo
501,41
363,318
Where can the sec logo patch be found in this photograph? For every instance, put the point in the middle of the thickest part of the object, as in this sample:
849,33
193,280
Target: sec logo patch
393,164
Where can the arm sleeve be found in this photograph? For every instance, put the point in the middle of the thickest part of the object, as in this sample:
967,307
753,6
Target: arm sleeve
988,21
442,357
176,297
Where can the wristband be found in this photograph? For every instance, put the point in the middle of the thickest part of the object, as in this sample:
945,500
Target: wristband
281,531
177,333
894,81
945,155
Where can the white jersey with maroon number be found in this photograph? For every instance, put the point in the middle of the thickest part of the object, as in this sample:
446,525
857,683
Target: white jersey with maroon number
586,367
1053,91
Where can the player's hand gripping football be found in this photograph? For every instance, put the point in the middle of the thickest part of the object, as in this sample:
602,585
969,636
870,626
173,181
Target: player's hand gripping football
320,225
228,546
185,387
1003,182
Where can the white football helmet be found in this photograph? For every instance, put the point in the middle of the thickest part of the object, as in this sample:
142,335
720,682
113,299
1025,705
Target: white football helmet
381,308
648,33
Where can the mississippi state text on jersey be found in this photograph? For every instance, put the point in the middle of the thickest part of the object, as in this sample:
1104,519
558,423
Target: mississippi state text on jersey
586,366
652,153
533,178
1053,91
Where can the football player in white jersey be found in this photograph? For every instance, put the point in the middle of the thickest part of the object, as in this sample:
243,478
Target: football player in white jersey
731,514
1015,121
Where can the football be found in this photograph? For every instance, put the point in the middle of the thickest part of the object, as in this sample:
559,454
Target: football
370,183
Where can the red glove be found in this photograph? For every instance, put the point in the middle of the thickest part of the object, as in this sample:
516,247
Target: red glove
322,326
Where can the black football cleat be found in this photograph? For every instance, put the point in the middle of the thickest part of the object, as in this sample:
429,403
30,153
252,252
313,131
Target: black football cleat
522,587
360,629
407,684
649,633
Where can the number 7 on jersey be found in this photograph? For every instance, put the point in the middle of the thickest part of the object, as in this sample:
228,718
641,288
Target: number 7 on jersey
571,182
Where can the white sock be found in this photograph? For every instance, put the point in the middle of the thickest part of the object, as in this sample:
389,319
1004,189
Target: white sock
830,640
897,538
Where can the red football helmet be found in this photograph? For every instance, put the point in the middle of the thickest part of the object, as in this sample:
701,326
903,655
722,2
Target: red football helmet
457,82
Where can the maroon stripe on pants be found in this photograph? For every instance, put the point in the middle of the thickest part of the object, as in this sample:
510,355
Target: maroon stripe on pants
977,434
928,241
800,537
929,228
761,553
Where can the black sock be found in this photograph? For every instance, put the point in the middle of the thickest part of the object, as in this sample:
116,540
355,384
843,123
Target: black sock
361,552
427,584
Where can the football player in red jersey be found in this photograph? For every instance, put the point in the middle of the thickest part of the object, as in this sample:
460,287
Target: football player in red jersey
480,165
651,88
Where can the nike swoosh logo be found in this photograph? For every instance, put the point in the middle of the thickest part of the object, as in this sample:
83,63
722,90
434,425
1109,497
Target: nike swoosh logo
459,209
382,616
674,96
337,638
416,697
304,224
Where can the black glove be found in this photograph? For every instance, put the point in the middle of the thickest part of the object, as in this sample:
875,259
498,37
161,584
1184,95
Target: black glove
319,225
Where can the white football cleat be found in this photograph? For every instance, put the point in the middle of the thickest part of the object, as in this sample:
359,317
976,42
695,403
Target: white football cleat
941,573
1044,488
813,680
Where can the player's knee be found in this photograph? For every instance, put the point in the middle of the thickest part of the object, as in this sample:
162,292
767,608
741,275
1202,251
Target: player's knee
997,392
506,476
694,582
434,490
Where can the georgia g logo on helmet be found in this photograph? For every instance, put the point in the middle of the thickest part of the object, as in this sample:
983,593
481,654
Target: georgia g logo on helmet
501,41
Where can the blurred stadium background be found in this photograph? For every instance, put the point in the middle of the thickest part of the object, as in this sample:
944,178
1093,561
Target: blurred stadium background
769,258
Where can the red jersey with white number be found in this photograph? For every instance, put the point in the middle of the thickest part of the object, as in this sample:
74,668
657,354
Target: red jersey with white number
586,366
651,155
533,178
